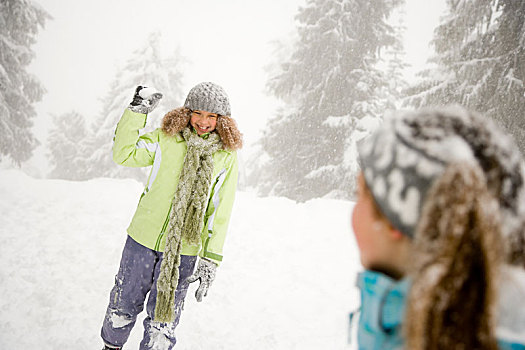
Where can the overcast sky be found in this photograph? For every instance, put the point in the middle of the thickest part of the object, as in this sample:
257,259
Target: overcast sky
229,42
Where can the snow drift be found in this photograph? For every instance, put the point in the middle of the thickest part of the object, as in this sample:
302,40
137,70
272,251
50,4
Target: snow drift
286,282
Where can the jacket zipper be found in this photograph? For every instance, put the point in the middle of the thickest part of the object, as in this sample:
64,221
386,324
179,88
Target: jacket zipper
166,222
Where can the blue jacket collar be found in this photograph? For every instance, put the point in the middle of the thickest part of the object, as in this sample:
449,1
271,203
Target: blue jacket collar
382,302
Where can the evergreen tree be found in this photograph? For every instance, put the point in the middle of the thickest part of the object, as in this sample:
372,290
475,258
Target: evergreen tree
479,62
146,67
395,64
63,142
333,92
20,21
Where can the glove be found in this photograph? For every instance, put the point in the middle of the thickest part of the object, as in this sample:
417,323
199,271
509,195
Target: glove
145,100
206,274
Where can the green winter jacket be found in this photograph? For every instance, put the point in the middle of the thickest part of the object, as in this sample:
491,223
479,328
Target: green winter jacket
166,154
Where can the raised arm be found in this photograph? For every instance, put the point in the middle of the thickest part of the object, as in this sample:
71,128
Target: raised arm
130,149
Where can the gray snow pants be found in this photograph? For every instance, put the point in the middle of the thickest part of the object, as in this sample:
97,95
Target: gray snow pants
137,275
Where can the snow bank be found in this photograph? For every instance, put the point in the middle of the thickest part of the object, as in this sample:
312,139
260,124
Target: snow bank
287,280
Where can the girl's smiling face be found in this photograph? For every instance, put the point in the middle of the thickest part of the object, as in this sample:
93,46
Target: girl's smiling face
203,122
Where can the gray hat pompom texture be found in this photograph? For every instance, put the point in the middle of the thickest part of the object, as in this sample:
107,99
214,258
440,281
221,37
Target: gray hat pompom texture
209,97
411,149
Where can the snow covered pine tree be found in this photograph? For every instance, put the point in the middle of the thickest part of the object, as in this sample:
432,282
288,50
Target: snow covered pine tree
334,93
479,63
20,21
147,66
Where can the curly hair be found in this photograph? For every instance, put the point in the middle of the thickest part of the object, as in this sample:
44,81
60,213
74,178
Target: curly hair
230,136
174,121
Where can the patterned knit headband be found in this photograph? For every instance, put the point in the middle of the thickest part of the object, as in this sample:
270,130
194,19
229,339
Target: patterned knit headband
402,159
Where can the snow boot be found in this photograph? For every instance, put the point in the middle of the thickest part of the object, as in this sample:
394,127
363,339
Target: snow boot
107,347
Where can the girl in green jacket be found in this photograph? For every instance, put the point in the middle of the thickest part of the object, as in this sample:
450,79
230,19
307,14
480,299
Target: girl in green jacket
183,212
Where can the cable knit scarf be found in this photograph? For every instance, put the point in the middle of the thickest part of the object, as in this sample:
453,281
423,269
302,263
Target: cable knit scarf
186,216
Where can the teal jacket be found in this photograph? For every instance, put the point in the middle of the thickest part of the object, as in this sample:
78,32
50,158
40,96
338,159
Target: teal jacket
165,153
382,312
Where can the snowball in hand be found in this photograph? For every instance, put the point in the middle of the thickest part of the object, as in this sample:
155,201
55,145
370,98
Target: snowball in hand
146,93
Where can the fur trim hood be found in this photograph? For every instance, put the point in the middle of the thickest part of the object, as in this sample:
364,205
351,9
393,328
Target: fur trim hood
177,119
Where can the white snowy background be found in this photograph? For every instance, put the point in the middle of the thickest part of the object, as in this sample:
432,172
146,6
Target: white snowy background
230,42
287,281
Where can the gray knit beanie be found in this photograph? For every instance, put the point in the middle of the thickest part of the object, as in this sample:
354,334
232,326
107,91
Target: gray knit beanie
208,97
401,160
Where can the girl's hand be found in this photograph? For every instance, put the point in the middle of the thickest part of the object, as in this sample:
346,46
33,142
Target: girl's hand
144,100
206,274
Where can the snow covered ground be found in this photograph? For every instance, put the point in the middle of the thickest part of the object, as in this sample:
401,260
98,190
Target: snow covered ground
287,280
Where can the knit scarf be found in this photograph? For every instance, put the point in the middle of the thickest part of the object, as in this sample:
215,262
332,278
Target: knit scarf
186,216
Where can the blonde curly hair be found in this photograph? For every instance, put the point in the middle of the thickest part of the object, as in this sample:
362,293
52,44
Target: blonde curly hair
175,120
